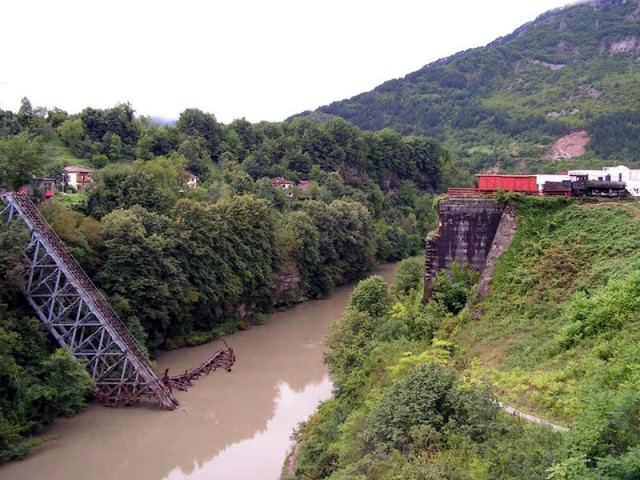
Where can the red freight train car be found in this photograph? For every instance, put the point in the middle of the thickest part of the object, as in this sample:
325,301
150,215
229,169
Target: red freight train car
508,183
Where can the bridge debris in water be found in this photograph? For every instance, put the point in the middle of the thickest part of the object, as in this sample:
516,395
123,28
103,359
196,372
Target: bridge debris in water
220,359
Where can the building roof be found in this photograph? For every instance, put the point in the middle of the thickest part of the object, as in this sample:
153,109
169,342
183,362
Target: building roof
281,181
72,169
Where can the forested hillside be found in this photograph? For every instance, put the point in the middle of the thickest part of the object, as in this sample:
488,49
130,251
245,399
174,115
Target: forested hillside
184,263
558,336
503,105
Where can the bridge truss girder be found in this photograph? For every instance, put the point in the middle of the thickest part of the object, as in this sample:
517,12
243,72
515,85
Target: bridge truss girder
79,318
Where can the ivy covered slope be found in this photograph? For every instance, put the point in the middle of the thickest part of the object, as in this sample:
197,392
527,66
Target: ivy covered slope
416,386
506,103
560,332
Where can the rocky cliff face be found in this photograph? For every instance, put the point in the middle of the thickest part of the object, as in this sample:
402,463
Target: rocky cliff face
287,286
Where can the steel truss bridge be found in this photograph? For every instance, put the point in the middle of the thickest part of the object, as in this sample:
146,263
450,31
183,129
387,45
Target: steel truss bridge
80,319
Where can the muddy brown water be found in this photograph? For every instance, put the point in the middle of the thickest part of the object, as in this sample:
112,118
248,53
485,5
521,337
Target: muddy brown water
229,425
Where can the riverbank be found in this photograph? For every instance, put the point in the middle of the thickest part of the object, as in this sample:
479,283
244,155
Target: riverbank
230,425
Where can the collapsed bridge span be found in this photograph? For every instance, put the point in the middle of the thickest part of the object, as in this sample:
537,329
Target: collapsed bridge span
81,320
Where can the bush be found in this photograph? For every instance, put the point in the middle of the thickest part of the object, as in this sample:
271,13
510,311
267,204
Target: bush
428,399
371,296
409,275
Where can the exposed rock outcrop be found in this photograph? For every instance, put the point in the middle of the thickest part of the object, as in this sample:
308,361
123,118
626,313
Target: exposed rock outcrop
569,146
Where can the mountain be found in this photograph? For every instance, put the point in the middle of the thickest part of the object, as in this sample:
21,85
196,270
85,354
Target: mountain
571,70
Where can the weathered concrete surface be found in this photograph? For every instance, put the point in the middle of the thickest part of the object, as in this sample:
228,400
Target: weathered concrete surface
466,231
501,241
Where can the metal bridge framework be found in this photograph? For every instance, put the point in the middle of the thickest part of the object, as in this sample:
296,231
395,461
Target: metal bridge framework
78,316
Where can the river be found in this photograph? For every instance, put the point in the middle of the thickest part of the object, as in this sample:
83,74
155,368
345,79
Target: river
229,425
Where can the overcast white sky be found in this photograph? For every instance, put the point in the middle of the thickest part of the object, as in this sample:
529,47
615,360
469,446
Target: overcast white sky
258,59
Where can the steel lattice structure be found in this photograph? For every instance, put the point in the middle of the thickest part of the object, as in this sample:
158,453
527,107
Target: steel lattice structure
79,317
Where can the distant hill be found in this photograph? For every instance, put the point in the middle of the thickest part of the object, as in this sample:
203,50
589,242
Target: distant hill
164,121
574,69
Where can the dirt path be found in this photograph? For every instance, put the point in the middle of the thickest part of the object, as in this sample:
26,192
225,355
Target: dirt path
532,418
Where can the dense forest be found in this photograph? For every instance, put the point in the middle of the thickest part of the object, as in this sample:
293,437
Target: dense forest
184,265
416,386
503,105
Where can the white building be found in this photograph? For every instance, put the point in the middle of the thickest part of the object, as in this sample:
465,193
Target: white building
541,179
615,174
192,181
78,177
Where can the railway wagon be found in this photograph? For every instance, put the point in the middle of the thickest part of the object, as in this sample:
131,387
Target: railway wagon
508,183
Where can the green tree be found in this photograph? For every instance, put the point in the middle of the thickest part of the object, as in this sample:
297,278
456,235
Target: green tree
242,183
196,124
26,115
299,242
371,296
71,132
141,251
69,381
20,158
429,397
408,276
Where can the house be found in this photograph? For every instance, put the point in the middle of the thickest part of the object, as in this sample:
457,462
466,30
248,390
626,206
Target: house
303,185
45,185
40,187
188,181
284,184
78,177
192,181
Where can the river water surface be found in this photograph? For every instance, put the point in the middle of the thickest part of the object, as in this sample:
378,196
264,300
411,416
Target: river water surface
229,425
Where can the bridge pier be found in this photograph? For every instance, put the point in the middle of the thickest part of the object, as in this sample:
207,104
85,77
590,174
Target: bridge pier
466,232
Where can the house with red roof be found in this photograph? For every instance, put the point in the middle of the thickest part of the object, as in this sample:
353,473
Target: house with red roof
284,184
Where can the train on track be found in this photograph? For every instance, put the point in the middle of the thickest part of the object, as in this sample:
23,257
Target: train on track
545,185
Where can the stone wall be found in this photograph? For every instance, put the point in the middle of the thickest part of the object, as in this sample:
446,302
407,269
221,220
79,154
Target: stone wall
467,228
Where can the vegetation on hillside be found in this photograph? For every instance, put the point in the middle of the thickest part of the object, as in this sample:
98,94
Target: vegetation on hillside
504,104
415,385
182,266
402,409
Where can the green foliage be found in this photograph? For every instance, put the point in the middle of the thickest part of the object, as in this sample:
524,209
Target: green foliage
153,185
72,133
408,276
69,381
611,308
13,237
504,104
81,234
20,157
112,132
428,405
299,242
140,248
398,414
196,124
370,296
453,292
35,386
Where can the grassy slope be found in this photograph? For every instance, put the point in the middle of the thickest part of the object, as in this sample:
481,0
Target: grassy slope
57,153
570,269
